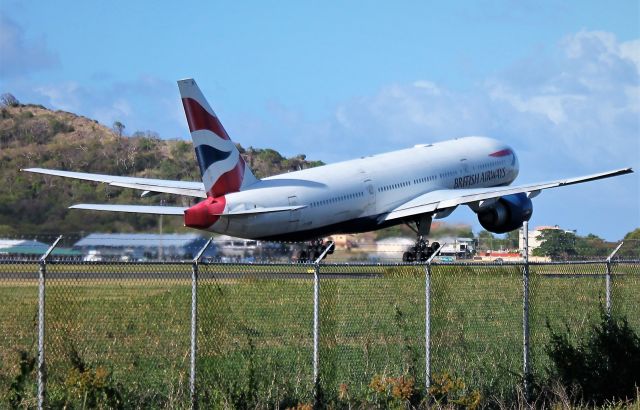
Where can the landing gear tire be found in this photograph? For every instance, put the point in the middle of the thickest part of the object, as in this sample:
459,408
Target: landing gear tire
408,257
302,257
420,252
313,251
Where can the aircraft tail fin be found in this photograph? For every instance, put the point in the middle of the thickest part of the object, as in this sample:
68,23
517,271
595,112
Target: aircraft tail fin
222,167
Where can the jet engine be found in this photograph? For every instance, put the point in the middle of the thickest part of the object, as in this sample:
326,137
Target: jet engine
507,214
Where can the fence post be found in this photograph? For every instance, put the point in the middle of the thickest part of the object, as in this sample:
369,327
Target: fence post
316,318
608,277
316,323
427,327
41,295
194,324
526,360
427,319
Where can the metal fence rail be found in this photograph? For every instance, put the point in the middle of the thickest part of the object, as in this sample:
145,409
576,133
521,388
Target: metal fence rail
189,334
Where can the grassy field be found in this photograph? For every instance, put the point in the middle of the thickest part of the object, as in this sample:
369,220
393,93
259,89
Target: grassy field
110,338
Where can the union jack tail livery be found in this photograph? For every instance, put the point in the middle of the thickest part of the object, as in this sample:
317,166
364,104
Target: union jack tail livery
222,168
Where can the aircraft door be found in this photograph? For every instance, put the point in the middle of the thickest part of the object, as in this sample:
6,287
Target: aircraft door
370,193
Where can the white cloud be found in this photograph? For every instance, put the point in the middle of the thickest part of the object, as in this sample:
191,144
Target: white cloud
580,105
21,56
631,51
66,96
140,104
428,86
592,100
550,104
407,114
118,110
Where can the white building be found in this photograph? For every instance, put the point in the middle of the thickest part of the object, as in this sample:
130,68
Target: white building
231,249
235,247
461,248
141,246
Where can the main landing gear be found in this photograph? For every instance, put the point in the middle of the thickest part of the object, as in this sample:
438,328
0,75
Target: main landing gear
422,250
313,250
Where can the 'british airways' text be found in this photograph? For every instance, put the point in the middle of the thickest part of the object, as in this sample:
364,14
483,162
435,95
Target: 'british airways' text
479,178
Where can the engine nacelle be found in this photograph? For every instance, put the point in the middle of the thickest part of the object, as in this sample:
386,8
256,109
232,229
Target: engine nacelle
507,214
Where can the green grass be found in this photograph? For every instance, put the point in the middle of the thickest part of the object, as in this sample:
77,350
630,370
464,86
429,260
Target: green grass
255,334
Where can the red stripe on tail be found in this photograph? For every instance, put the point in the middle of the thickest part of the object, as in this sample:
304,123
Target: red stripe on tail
200,119
230,181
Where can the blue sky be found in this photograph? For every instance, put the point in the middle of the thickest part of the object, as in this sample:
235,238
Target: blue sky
560,81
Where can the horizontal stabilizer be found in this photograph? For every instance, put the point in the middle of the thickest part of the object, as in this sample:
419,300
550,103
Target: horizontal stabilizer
178,210
139,209
185,188
196,193
255,211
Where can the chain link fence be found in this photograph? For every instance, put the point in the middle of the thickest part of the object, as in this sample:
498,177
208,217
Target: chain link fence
255,336
18,332
117,331
372,329
476,325
136,335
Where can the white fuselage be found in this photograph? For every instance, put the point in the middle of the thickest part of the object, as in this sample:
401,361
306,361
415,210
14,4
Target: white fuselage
352,196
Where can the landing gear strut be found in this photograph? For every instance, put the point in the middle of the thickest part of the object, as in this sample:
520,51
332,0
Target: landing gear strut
313,250
421,251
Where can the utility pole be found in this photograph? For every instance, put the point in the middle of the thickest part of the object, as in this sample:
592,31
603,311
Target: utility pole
160,248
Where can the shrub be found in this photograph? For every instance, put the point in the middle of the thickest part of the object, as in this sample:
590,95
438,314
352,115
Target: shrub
603,367
450,391
58,126
393,392
18,392
87,386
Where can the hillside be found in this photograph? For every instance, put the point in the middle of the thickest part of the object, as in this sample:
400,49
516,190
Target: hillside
33,136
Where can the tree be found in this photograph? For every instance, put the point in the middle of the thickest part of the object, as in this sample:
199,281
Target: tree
592,246
512,239
8,100
485,240
118,127
556,244
631,247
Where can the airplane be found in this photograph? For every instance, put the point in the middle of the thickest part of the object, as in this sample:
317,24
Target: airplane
411,186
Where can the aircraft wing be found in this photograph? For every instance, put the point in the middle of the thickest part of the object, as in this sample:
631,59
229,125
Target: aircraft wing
448,198
186,188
